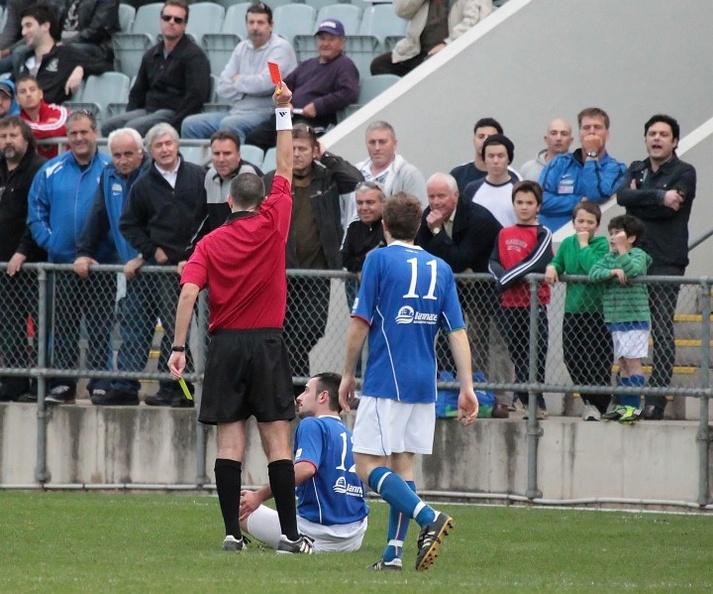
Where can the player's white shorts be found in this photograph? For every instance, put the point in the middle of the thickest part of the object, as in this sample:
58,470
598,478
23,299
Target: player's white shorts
384,426
630,344
264,525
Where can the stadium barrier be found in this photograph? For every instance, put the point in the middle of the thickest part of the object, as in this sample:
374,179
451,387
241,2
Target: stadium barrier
56,325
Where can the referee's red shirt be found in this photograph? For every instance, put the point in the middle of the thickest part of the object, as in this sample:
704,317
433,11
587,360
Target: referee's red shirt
243,264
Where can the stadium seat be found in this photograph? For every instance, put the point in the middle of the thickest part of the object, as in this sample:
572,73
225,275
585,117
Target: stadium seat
129,49
234,22
294,19
362,49
346,13
252,153
369,88
204,17
305,47
127,14
380,20
270,161
196,154
390,41
320,4
147,20
219,47
99,91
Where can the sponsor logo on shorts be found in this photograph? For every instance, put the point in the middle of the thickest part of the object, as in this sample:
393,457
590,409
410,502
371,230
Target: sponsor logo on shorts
343,488
407,315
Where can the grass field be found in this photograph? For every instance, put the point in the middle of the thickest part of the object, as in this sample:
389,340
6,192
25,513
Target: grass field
94,542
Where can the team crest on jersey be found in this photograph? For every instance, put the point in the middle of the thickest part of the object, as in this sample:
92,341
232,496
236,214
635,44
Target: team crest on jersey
343,488
407,315
116,187
52,65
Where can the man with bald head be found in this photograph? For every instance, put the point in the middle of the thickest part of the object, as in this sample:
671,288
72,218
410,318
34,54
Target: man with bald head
557,140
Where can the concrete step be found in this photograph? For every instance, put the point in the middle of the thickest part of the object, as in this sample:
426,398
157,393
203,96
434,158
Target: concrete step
688,326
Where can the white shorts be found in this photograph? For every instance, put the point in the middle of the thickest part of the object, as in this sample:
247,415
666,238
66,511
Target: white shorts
264,525
630,344
384,426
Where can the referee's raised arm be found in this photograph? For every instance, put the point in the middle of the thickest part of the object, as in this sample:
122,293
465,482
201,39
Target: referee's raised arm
283,116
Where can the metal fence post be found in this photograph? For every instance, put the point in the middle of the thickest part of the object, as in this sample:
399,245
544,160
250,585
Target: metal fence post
703,436
42,474
534,431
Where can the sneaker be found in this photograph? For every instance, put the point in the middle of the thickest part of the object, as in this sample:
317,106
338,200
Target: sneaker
614,414
591,413
501,411
381,565
114,398
631,415
652,413
62,394
303,545
541,414
430,539
234,544
172,399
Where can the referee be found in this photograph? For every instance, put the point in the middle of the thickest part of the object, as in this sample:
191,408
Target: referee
248,372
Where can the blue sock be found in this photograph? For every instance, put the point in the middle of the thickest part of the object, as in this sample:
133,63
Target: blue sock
398,527
394,490
634,381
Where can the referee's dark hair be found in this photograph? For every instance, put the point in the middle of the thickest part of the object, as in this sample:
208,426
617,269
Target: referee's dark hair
247,190
402,216
330,382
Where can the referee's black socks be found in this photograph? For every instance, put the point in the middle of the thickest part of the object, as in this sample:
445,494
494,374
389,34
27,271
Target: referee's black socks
228,476
282,484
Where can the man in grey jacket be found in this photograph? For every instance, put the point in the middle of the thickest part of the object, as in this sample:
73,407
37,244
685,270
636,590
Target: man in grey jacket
431,28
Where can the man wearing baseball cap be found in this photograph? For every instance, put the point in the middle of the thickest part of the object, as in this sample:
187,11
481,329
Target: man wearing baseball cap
321,86
8,105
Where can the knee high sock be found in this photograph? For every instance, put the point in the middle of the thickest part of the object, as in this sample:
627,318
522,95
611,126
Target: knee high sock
633,381
282,484
398,527
228,475
394,490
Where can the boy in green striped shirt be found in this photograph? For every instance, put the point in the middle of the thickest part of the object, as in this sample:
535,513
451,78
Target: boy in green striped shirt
626,309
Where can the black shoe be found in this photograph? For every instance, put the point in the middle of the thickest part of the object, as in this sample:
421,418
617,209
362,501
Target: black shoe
172,399
62,394
430,540
12,388
113,398
653,413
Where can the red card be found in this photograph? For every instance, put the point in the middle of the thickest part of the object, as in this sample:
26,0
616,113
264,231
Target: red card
274,73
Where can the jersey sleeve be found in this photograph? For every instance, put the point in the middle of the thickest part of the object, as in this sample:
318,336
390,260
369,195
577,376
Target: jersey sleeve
365,303
309,441
196,269
452,317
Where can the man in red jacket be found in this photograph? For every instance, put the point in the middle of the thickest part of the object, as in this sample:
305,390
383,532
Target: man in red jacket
46,120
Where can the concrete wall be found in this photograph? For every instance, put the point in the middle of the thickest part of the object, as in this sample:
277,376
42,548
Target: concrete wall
141,445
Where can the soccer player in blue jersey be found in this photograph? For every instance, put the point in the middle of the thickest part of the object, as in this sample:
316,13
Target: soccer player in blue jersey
331,509
406,296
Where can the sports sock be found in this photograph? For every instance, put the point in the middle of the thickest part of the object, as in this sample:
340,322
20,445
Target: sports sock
281,475
633,381
398,527
394,490
228,475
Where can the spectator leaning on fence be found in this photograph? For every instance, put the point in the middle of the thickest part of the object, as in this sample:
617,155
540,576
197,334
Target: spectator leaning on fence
247,371
128,162
18,290
45,120
160,219
586,344
245,80
60,200
626,310
660,192
524,248
319,177
173,81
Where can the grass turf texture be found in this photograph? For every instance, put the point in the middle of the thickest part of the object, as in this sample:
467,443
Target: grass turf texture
95,542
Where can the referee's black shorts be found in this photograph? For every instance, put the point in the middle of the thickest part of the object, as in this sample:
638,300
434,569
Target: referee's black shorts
247,374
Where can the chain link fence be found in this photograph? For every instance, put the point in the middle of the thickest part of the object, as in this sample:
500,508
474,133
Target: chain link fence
106,329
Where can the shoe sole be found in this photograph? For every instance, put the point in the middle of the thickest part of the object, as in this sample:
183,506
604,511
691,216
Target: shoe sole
432,552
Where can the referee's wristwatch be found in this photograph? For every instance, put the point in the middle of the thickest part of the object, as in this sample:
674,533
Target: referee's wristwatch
178,349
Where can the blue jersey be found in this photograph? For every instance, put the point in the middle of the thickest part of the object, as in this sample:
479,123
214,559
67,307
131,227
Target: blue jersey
406,296
334,495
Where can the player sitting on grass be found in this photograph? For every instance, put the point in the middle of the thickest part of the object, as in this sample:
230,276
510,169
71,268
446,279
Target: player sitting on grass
330,497
626,310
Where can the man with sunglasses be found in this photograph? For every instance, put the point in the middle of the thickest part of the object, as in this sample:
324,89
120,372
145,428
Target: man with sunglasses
173,81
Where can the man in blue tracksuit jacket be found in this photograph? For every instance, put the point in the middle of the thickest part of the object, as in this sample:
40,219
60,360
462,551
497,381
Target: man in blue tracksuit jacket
588,173
129,161
59,202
